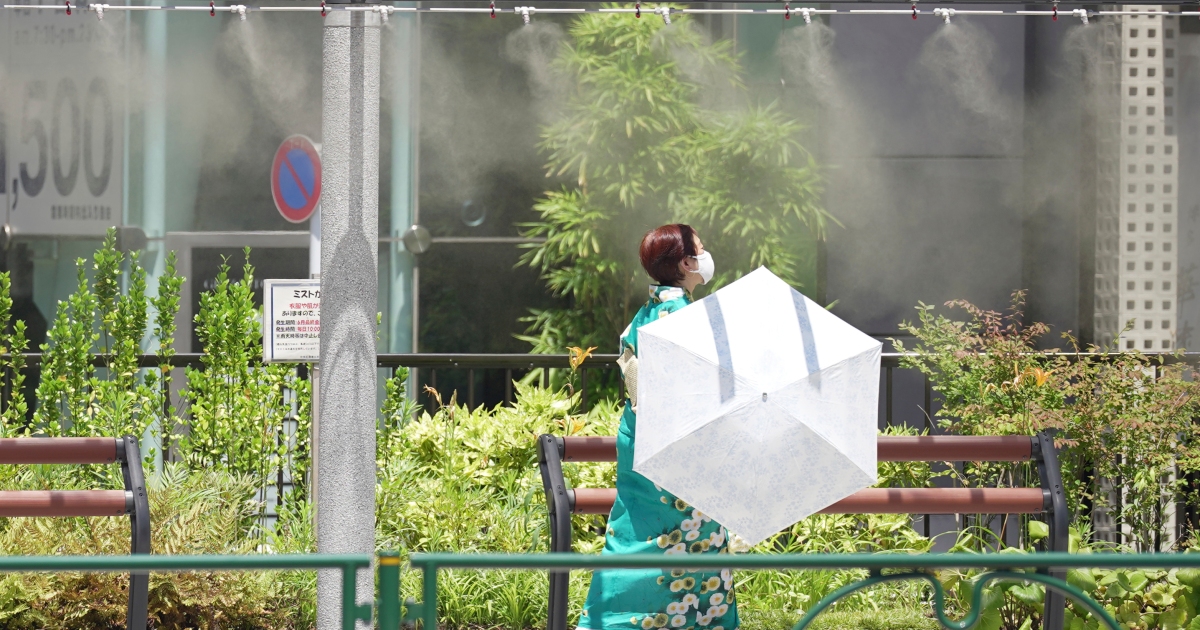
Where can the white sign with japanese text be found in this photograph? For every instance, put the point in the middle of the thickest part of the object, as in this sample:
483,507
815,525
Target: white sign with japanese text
291,321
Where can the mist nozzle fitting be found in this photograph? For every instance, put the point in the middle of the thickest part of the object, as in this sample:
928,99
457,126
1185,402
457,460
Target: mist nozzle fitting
945,14
239,9
525,12
806,13
384,12
99,9
1082,14
665,12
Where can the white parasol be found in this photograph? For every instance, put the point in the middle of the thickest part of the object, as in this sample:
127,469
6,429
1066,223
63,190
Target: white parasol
757,406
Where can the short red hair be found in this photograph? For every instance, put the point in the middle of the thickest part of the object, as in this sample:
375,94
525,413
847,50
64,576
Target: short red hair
664,248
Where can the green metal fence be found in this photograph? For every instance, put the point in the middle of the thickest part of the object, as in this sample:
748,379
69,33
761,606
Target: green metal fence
1002,567
389,614
347,564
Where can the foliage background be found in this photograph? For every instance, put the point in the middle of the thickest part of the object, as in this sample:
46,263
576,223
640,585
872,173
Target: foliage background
638,150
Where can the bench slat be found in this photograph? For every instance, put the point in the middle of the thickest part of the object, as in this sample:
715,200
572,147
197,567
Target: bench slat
590,449
885,501
65,450
65,502
924,448
941,501
955,448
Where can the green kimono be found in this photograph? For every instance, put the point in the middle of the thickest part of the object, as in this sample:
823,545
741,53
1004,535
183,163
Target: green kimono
648,519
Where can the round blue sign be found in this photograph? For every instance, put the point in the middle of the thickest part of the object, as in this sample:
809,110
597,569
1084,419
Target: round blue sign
296,179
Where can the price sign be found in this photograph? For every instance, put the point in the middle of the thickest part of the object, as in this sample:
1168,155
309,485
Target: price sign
291,321
61,124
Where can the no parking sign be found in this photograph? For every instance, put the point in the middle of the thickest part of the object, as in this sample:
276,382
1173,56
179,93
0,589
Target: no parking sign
296,179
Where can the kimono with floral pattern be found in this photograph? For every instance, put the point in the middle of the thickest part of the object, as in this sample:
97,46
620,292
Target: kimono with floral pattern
648,519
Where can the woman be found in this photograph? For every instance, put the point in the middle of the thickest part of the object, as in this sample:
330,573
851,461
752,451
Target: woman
646,518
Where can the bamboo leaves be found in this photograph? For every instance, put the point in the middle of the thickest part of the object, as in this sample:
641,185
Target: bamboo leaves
645,152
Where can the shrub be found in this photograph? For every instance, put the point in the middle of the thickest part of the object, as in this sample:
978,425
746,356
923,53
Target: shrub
1123,418
201,512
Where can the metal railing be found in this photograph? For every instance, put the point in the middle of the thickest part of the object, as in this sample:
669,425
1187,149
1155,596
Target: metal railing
389,613
900,567
514,366
348,564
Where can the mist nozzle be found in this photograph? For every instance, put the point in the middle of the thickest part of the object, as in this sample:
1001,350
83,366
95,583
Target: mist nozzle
1082,14
665,12
806,13
945,14
525,11
384,12
99,9
239,9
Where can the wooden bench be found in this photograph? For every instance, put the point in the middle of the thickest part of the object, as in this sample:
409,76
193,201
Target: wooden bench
131,501
1048,499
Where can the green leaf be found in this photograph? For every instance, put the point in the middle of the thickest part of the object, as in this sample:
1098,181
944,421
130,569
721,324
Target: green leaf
1038,530
1189,576
1081,579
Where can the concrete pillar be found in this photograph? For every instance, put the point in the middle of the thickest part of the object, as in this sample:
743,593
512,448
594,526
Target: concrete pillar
154,135
406,82
349,270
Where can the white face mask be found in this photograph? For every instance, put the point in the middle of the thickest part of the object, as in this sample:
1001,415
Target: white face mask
706,268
